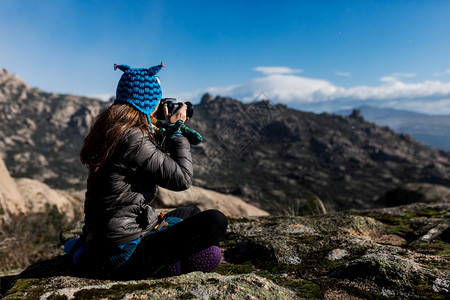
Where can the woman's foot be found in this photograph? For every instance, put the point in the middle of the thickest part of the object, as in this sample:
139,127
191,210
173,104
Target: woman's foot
206,261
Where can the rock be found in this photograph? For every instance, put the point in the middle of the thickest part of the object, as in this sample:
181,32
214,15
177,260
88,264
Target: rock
11,200
337,254
347,255
441,286
356,114
417,192
25,195
445,235
207,199
39,196
386,270
62,284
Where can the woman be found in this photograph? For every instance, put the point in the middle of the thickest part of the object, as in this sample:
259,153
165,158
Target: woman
123,234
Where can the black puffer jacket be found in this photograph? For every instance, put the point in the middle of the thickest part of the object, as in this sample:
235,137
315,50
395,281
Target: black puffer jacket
117,206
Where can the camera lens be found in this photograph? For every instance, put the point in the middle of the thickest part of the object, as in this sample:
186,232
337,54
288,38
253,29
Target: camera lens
189,109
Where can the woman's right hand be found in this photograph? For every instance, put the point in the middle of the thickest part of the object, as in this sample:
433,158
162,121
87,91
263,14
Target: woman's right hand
180,113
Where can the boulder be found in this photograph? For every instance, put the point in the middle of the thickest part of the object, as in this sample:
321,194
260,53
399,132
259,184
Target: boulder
11,200
39,197
417,192
206,199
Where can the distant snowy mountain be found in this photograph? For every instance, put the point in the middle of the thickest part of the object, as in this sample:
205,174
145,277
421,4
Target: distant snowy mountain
432,130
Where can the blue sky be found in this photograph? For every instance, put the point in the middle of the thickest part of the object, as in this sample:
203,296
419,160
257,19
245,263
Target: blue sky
311,55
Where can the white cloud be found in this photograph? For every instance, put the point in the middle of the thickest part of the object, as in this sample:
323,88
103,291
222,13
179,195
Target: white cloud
320,95
446,72
344,74
277,70
104,97
397,77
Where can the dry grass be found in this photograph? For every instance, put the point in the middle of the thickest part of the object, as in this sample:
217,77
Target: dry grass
30,238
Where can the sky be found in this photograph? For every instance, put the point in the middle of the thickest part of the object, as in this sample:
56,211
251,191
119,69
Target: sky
310,55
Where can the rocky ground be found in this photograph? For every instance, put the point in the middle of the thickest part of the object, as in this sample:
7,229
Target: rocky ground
391,253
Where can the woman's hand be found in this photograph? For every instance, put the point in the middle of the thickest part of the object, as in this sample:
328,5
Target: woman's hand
180,113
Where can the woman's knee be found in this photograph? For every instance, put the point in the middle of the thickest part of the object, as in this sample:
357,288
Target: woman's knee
216,219
184,212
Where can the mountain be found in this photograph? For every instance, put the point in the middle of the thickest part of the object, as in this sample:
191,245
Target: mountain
279,159
42,132
432,130
282,158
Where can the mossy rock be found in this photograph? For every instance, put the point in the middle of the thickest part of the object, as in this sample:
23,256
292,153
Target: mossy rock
193,285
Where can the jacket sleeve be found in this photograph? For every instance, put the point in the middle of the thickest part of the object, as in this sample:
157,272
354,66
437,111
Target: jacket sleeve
172,172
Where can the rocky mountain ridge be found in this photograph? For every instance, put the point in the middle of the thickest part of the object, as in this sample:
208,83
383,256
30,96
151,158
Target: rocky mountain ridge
43,132
433,130
283,159
279,159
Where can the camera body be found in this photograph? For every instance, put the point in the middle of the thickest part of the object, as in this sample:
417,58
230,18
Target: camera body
172,107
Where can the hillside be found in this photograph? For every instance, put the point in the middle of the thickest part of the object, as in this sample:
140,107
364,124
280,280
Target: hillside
283,158
432,130
42,132
280,159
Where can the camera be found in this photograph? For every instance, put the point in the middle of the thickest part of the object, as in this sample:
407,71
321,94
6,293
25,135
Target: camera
172,107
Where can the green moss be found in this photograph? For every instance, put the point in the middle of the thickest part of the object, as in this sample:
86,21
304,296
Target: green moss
303,288
234,220
431,213
439,265
306,288
2,211
436,247
26,289
411,215
57,297
118,290
275,267
309,239
232,269
424,290
398,225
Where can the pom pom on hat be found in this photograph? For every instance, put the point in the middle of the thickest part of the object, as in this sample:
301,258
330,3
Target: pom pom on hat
154,70
139,87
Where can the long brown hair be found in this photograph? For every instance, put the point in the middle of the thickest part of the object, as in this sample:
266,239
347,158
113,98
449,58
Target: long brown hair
106,130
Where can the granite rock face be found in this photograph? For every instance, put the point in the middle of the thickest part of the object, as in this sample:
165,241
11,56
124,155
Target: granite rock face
398,252
42,132
206,199
22,196
11,200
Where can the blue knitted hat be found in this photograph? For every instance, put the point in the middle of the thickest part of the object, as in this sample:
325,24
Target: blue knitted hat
139,87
